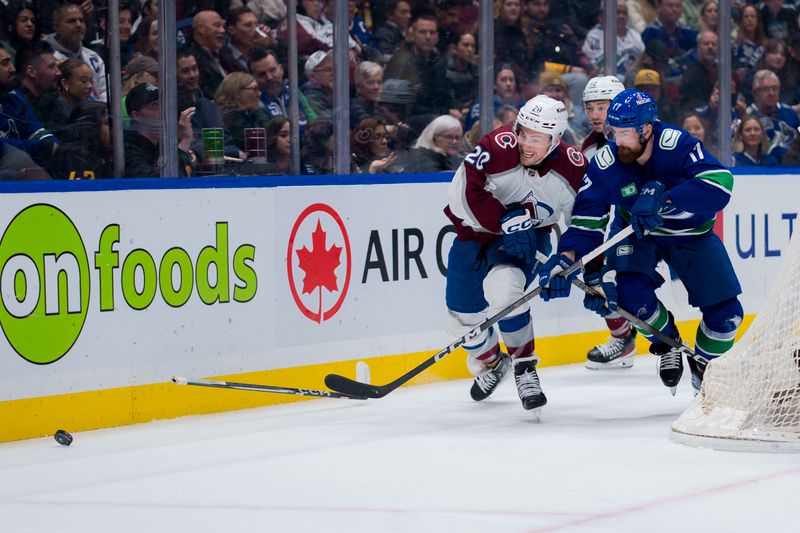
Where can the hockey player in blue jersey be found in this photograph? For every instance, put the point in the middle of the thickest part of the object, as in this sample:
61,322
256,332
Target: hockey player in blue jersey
663,182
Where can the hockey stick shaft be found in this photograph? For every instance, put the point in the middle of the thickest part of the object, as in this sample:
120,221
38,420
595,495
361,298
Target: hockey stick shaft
348,386
641,324
262,388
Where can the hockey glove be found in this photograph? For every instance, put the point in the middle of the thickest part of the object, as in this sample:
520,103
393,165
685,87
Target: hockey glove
518,238
645,215
554,285
606,280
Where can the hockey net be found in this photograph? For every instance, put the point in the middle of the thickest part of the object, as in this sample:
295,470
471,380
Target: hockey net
750,399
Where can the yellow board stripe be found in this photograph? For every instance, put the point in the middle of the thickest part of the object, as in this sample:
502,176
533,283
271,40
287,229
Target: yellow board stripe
37,417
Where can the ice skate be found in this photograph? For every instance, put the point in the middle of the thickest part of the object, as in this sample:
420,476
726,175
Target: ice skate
670,363
485,383
528,386
697,369
617,352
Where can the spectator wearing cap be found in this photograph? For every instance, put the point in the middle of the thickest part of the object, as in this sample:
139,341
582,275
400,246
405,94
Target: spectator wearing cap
698,80
318,90
38,74
140,69
391,34
419,62
552,84
779,120
629,41
70,29
207,114
239,99
142,141
241,26
208,32
19,126
649,81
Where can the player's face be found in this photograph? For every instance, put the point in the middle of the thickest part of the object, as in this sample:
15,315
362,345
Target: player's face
628,146
596,111
533,146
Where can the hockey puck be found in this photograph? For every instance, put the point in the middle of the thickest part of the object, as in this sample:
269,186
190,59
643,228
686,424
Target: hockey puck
63,437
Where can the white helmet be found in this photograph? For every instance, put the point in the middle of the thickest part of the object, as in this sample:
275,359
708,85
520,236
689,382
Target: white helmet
545,115
602,88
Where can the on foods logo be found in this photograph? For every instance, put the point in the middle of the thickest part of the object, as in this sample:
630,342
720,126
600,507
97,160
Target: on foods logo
318,262
45,279
44,284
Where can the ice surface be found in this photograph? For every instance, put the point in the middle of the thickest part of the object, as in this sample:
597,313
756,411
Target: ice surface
422,459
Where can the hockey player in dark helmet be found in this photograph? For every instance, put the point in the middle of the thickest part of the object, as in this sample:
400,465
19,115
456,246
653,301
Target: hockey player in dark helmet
664,183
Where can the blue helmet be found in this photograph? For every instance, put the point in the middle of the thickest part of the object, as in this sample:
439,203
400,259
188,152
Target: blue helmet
631,108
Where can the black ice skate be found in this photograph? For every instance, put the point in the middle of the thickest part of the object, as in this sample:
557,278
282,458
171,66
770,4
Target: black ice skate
617,352
528,386
485,384
698,369
670,362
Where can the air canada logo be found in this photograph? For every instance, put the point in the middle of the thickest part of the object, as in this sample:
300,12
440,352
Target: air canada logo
318,262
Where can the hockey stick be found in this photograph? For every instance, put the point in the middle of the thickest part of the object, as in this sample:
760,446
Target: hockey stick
351,387
641,324
263,388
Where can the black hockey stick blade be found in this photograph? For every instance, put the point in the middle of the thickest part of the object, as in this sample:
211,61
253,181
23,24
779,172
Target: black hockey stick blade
264,388
351,387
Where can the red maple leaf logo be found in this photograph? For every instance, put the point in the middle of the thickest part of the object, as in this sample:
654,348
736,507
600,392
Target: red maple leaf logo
319,264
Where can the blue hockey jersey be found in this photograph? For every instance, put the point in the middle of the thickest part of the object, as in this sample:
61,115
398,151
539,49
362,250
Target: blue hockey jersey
699,186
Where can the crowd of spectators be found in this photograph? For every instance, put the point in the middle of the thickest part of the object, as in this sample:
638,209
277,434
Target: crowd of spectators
413,78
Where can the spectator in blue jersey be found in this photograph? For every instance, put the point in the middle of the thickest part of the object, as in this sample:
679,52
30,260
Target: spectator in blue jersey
19,127
361,34
751,146
666,28
20,26
780,20
780,120
268,72
207,114
749,44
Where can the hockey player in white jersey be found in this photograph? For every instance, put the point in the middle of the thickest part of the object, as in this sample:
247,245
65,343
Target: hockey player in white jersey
619,350
503,200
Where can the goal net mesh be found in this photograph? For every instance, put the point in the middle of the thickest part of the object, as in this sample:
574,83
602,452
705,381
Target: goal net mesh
751,395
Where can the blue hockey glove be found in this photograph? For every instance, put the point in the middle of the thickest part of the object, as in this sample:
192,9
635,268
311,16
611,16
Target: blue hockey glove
543,242
519,237
607,281
554,285
645,215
